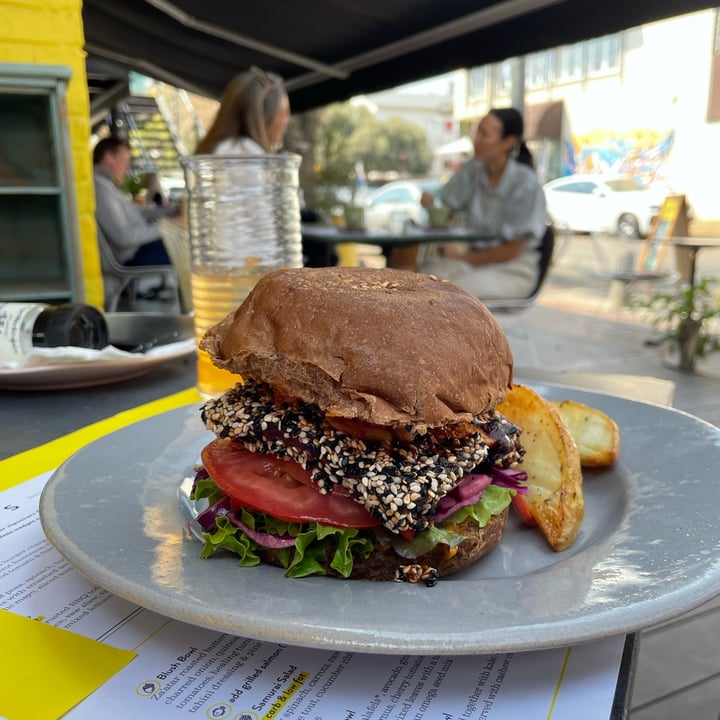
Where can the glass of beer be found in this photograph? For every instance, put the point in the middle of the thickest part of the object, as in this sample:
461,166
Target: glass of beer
243,216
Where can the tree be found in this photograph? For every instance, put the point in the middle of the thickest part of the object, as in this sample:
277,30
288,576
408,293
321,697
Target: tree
347,134
392,145
338,123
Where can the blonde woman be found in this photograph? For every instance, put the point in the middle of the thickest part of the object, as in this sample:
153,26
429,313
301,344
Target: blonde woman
252,118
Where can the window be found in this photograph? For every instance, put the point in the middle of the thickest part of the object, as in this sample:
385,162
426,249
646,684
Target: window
629,184
600,56
477,84
584,188
603,55
503,77
396,195
570,63
538,69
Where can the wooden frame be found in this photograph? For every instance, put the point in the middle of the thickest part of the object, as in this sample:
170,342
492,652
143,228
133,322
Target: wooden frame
672,220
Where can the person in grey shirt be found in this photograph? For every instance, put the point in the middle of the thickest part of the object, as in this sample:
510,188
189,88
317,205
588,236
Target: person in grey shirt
128,227
496,193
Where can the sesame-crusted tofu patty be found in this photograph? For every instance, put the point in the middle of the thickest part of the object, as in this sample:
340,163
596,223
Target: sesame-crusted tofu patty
399,481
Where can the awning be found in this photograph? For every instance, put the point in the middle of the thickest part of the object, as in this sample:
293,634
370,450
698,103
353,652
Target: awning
461,146
544,121
331,50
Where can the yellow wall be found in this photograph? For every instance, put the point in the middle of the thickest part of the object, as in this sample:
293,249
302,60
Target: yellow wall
50,32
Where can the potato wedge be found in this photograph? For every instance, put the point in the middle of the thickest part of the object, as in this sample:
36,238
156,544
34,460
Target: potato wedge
552,462
595,433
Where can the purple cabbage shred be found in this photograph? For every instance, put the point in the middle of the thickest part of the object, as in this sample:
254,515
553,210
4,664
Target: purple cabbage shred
510,478
206,519
264,539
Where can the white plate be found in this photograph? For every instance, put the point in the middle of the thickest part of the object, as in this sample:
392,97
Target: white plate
648,549
85,374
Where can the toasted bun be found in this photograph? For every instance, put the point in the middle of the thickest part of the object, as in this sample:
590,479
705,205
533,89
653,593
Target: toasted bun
382,564
386,346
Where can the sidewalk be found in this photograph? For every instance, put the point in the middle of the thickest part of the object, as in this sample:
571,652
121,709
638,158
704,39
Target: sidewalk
577,327
563,340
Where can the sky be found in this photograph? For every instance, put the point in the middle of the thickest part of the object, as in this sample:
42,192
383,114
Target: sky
438,85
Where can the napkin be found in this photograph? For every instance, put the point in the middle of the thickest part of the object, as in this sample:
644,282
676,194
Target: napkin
40,357
46,670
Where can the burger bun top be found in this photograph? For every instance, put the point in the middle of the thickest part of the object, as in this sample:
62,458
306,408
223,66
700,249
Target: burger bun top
384,346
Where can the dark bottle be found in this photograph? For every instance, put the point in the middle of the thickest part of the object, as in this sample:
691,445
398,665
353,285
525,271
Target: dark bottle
24,326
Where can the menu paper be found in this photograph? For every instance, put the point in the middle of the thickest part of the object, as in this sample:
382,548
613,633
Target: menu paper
184,671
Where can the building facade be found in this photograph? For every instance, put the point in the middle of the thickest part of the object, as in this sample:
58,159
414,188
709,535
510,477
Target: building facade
645,101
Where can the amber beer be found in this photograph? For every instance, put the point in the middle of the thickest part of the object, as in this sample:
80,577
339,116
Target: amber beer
212,296
243,215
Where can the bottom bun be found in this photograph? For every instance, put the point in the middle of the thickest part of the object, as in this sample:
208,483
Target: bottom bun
384,563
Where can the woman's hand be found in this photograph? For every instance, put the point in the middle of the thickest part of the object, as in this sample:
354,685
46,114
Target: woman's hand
427,200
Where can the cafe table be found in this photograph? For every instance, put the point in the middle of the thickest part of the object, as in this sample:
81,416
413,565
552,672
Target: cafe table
406,244
686,252
40,430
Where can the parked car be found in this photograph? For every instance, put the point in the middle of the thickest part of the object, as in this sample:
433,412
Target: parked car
398,202
602,203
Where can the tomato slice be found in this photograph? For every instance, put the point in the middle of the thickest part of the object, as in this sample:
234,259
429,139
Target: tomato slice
521,508
360,429
280,488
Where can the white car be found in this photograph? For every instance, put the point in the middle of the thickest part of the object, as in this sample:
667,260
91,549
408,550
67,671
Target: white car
602,203
397,203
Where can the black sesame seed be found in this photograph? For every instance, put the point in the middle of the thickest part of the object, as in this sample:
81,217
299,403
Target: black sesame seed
390,480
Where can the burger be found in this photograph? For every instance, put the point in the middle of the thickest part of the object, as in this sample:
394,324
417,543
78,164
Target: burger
361,440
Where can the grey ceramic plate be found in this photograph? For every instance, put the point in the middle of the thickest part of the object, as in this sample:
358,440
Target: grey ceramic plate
649,549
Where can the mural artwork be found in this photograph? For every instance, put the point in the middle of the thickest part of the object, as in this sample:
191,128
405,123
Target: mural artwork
642,153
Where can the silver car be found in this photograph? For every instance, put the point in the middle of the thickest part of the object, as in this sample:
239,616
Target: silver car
398,202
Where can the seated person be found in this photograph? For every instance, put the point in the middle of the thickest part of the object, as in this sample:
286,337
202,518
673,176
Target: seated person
500,196
154,193
128,227
252,118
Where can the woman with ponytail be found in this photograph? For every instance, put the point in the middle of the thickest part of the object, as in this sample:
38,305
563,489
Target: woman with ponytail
499,196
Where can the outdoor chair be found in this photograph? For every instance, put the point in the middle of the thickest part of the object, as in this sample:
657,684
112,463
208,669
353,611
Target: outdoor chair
118,278
547,248
177,244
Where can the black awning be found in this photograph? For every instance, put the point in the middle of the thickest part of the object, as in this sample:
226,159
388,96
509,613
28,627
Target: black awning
330,50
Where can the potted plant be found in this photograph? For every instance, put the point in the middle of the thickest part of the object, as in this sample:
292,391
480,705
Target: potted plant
133,185
684,318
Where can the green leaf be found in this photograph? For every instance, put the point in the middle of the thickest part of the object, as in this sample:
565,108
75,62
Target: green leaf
318,546
494,500
206,488
227,536
673,312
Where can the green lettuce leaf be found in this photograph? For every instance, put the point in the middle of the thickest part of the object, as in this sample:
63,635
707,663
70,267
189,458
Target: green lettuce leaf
315,543
493,501
206,488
